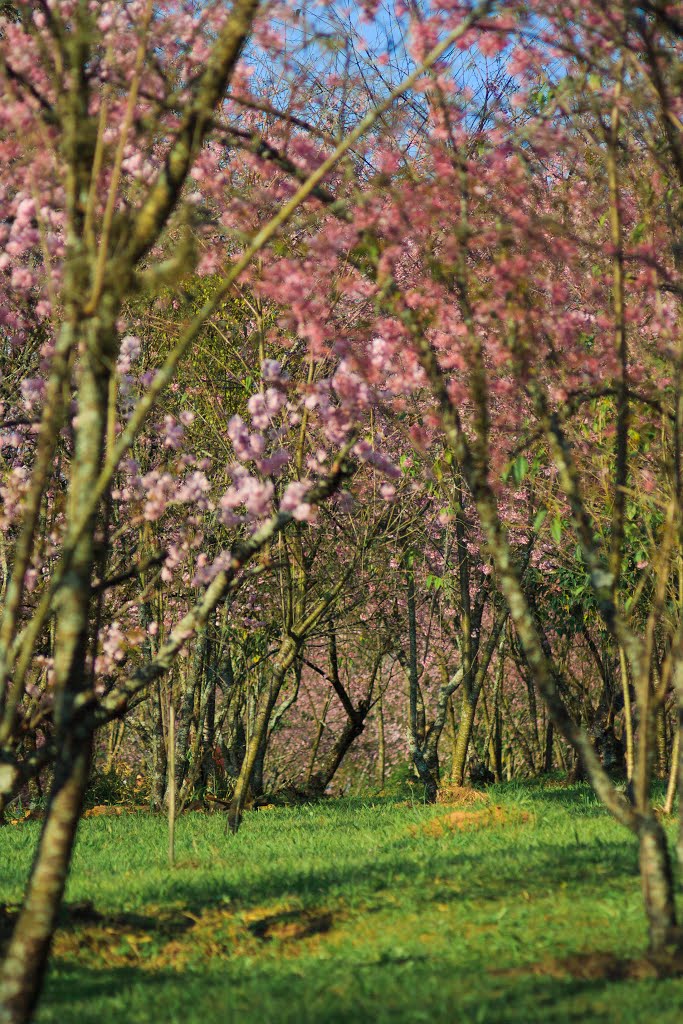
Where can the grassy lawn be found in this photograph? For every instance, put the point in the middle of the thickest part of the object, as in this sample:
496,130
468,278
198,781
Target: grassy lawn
352,911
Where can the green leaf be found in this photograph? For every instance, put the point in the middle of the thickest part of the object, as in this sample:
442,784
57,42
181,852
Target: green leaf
434,582
540,519
638,232
556,529
519,468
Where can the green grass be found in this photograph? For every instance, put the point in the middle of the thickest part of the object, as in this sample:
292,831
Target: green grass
348,911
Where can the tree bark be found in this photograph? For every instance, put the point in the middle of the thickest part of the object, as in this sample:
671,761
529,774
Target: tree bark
657,885
191,687
353,728
381,745
283,663
473,681
548,752
25,961
157,786
462,742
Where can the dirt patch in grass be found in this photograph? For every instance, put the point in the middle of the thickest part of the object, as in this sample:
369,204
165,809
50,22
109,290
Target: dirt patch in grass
461,796
601,967
469,821
103,810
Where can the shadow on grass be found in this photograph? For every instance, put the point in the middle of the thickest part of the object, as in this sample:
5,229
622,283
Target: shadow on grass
489,874
341,991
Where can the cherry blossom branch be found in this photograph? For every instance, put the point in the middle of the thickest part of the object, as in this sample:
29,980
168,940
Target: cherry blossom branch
51,420
124,130
165,192
116,702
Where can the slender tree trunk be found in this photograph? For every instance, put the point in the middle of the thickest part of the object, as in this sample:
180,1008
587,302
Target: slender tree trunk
381,745
259,766
171,783
628,714
330,764
562,756
510,763
673,776
548,752
462,741
454,728
115,734
318,737
493,744
661,742
498,745
657,885
259,731
533,716
416,721
191,687
209,739
157,786
24,967
678,688
34,788
473,681
25,961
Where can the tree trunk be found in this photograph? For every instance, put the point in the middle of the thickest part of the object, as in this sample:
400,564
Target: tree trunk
673,776
462,740
628,714
657,884
473,682
209,740
493,747
191,688
323,777
497,765
661,743
286,657
260,729
259,766
26,958
157,786
548,752
415,718
381,745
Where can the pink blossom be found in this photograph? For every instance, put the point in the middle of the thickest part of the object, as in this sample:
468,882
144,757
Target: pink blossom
272,372
274,464
173,432
247,446
22,278
293,500
255,495
129,351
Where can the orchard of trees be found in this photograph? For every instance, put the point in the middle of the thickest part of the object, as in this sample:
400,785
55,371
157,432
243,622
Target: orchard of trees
341,410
